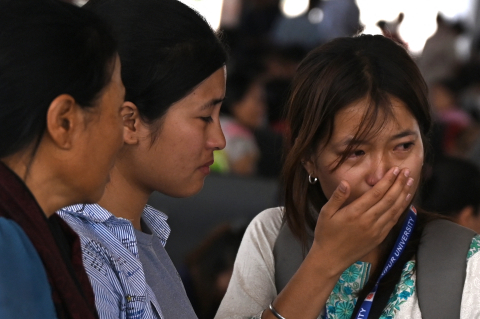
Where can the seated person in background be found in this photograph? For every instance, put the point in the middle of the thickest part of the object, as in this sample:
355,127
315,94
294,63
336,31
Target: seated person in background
453,189
209,268
456,125
244,111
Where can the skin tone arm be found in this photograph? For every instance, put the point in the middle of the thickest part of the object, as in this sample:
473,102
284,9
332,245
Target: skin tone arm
342,237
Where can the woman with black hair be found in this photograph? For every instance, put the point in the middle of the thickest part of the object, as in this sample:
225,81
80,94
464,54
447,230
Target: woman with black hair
61,99
358,118
173,67
243,111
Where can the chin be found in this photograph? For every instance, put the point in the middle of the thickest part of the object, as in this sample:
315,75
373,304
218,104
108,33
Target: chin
93,198
191,190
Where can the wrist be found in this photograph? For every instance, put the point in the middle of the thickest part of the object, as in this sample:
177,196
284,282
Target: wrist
325,262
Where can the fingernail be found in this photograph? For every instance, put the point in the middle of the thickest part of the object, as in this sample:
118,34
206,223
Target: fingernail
342,187
410,181
407,172
396,171
408,197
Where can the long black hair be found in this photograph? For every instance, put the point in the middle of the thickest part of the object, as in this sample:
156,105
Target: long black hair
47,48
166,49
328,80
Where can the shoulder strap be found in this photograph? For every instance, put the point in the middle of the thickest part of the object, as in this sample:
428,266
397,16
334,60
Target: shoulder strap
437,276
441,268
288,256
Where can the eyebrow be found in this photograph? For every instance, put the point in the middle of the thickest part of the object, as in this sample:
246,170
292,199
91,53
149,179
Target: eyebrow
351,140
403,134
212,103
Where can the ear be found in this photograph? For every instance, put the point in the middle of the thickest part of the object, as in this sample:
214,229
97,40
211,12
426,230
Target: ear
309,165
64,117
131,123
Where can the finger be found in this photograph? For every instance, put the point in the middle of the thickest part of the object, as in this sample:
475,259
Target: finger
395,194
393,213
394,201
337,200
374,195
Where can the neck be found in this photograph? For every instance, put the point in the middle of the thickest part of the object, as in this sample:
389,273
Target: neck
123,197
42,181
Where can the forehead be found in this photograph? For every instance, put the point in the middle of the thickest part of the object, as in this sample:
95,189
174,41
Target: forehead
357,118
208,93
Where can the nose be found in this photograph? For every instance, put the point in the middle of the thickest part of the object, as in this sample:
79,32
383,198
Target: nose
216,138
379,167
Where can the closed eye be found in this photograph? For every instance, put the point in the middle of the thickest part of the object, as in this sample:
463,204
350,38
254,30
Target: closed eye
207,119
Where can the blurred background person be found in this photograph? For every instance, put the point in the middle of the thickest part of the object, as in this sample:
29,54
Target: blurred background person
209,268
243,112
452,188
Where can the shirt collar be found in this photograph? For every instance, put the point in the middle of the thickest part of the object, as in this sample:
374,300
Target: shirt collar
93,212
158,222
96,213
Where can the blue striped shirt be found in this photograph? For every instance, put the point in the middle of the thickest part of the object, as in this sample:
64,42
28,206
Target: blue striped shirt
111,259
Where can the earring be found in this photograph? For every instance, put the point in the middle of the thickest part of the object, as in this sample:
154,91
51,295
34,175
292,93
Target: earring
312,180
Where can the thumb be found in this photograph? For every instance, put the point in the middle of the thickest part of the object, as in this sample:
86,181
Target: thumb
337,199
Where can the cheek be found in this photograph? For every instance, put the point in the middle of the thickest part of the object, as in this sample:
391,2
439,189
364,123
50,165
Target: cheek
329,181
178,147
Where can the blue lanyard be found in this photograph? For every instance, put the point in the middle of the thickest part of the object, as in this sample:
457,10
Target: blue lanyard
397,250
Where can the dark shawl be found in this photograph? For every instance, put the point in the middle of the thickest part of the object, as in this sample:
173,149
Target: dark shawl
73,296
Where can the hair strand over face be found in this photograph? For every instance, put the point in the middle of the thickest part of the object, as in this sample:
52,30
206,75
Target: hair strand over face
330,78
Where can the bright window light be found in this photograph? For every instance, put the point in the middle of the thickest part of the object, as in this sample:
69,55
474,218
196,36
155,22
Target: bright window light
419,21
294,8
210,9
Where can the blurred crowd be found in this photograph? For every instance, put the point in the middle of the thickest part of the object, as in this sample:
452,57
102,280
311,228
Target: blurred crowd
265,48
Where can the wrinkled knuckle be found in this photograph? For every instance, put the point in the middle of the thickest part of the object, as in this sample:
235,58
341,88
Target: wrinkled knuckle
396,216
336,196
390,201
355,214
397,211
376,193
